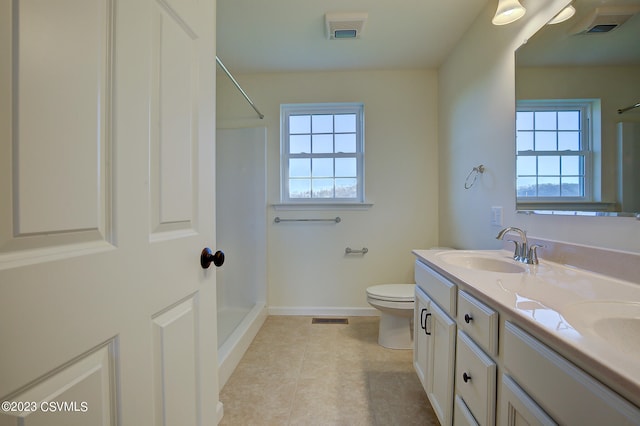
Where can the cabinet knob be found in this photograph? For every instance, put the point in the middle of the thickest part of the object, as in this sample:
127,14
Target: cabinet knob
466,377
468,318
207,257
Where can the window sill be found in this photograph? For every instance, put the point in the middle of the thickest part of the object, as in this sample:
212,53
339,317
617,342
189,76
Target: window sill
569,206
322,206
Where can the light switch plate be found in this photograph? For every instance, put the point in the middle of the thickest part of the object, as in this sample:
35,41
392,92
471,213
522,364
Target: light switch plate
496,215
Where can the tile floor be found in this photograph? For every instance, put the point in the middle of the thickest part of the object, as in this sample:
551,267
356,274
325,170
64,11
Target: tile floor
298,373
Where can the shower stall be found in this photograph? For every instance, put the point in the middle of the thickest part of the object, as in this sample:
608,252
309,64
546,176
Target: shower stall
241,233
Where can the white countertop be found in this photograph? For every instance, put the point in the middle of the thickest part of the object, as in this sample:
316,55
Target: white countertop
536,300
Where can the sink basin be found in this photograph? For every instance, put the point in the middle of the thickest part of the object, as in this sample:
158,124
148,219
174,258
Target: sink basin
480,262
615,321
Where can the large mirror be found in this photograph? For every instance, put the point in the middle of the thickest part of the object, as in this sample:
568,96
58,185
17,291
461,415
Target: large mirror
578,113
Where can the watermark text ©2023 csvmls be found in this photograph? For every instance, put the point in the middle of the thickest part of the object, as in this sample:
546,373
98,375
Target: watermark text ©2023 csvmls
44,406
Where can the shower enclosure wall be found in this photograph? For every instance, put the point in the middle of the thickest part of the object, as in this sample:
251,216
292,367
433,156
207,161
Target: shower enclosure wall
241,234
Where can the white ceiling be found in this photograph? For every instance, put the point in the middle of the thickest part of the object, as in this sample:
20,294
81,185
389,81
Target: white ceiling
289,35
559,45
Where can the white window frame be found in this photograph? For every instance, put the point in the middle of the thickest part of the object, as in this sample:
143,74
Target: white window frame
587,151
286,110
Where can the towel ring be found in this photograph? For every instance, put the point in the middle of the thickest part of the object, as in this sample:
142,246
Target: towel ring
474,172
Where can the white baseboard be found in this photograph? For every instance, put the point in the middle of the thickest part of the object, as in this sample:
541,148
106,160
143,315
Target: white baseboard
323,311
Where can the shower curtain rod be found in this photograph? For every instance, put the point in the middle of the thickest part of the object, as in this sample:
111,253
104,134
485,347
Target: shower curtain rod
629,108
239,88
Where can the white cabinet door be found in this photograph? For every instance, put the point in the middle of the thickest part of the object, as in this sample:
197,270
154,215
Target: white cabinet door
107,132
420,336
441,363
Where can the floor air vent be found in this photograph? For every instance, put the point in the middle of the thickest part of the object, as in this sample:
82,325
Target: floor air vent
329,321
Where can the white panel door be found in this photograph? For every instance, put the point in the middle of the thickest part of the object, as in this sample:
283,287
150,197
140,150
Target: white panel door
107,189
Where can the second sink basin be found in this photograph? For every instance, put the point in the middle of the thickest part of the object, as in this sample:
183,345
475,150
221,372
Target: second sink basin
615,321
477,261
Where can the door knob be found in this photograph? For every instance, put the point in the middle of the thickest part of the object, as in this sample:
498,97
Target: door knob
207,256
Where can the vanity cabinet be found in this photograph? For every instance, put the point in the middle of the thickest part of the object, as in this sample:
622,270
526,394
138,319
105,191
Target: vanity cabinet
479,367
435,339
455,372
562,392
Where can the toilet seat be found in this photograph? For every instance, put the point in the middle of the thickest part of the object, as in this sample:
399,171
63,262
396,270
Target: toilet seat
392,292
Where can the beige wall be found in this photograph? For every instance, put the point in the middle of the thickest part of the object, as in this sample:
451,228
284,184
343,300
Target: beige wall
477,125
307,266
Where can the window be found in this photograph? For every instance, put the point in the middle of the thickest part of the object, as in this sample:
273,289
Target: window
554,151
322,153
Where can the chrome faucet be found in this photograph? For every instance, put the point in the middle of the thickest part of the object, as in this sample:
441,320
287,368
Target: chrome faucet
523,253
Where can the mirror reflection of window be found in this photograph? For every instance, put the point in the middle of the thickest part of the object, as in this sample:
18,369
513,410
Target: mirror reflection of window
575,61
554,151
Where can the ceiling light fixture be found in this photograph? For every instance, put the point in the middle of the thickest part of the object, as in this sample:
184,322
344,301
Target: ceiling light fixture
564,15
508,11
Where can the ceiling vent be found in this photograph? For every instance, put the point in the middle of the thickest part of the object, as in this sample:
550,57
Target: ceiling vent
605,19
345,25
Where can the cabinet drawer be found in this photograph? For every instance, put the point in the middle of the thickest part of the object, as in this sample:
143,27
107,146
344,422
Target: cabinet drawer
479,321
476,380
461,414
516,407
439,289
564,391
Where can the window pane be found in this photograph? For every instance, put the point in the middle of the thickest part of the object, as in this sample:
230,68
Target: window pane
571,165
322,167
545,120
526,166
546,141
524,120
299,167
345,123
346,167
568,120
524,141
322,144
346,143
569,141
299,144
526,187
346,188
548,186
299,188
322,188
322,124
571,187
548,166
299,124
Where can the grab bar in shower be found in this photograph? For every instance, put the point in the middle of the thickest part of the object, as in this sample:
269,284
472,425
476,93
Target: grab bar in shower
349,250
336,220
629,108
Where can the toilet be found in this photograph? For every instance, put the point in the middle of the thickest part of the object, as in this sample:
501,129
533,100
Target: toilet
395,303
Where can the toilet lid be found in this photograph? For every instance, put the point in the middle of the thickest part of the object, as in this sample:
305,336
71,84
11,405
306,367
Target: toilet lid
392,292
